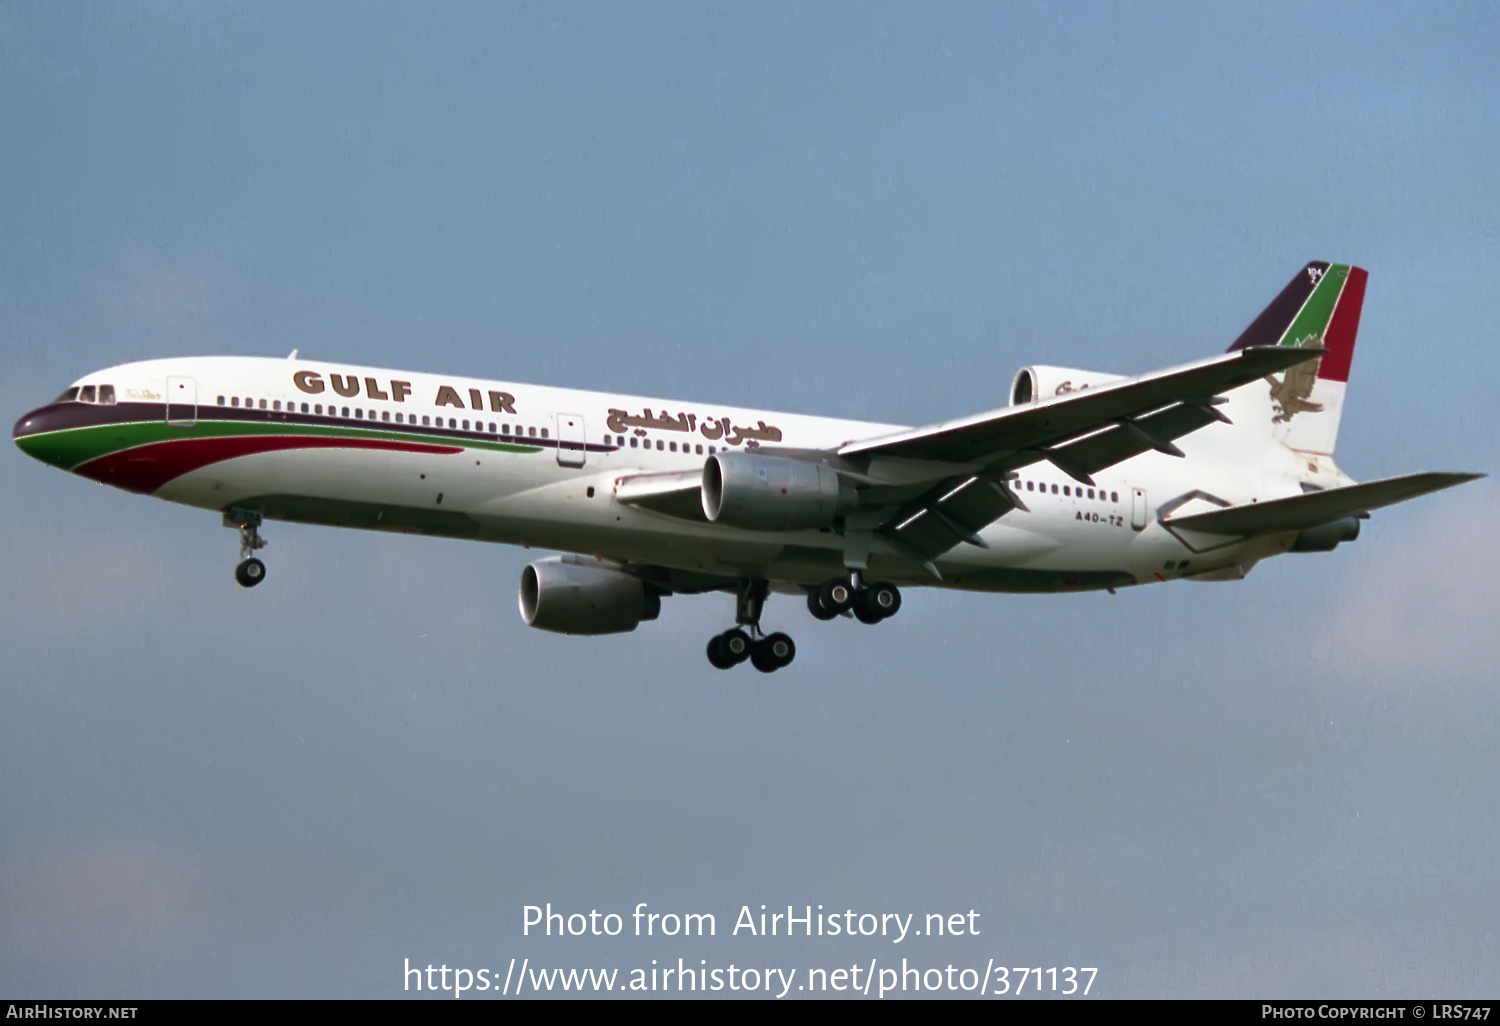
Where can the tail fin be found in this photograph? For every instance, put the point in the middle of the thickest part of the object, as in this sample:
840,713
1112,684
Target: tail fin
1319,307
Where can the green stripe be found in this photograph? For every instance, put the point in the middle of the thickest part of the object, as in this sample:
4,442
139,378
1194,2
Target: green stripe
74,447
1312,320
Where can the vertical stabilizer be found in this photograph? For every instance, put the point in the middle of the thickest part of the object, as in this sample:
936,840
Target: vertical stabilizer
1319,307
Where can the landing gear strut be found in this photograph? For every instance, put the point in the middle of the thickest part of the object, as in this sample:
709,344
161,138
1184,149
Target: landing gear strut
870,603
766,652
251,571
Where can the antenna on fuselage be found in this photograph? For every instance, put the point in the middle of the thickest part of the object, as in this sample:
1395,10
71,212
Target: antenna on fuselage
292,355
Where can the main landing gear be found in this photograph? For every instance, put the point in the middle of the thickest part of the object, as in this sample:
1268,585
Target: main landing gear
251,571
766,652
870,603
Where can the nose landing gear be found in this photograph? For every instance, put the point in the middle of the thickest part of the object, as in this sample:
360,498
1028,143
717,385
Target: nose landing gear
766,652
251,571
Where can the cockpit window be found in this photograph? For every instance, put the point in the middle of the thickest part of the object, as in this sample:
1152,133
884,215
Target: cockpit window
107,394
71,395
86,394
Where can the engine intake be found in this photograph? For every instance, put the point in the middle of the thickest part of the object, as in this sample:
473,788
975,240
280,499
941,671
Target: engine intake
1042,382
772,493
574,595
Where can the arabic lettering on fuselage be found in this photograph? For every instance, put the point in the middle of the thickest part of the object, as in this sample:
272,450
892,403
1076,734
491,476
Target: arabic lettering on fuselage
713,428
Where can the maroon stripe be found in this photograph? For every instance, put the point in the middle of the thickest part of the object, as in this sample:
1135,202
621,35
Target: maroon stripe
148,467
1339,338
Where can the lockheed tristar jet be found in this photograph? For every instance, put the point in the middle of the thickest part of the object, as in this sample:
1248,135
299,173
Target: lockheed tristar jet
1084,481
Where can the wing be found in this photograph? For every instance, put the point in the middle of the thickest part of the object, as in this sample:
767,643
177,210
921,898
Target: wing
1300,512
1081,433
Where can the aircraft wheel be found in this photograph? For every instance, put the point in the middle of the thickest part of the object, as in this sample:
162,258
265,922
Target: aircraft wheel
815,607
877,602
716,655
885,597
250,572
735,646
835,596
773,652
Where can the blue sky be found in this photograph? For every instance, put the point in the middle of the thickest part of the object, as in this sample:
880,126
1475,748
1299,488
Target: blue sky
1281,786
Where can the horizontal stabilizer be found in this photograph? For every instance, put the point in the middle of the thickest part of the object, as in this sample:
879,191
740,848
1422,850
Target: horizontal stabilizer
1300,512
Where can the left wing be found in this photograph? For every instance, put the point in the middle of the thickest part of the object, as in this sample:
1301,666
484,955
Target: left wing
1081,433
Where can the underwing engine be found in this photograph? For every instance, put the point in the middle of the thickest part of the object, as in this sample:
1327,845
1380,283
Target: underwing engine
772,493
575,595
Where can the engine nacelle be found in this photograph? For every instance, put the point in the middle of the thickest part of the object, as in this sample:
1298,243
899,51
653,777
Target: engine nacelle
772,493
574,595
1326,537
1042,382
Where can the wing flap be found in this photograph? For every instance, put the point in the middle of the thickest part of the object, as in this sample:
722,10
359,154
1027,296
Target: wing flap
1300,512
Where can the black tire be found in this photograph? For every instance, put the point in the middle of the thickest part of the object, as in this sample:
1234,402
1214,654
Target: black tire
885,597
716,655
836,596
815,607
782,648
250,573
735,645
865,611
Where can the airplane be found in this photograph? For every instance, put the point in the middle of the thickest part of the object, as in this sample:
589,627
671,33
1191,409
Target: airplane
1083,481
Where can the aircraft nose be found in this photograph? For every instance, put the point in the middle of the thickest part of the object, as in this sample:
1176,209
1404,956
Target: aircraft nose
39,435
27,425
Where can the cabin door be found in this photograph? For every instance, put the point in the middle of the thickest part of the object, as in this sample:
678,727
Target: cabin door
572,444
182,402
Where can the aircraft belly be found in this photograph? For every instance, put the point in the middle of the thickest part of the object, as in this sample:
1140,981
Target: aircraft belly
454,482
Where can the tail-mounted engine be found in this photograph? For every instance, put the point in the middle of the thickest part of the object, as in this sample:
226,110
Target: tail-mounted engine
1042,382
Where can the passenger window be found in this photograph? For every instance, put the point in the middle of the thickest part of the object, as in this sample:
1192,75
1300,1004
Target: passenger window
674,446
492,429
107,394
276,405
304,407
221,400
1054,489
453,422
466,425
531,432
544,432
712,450
359,414
659,446
634,442
263,404
385,416
505,429
1114,496
318,409
1029,486
700,450
424,421
346,411
234,400
1066,491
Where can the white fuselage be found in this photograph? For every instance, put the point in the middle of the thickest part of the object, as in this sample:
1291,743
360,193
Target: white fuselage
511,482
